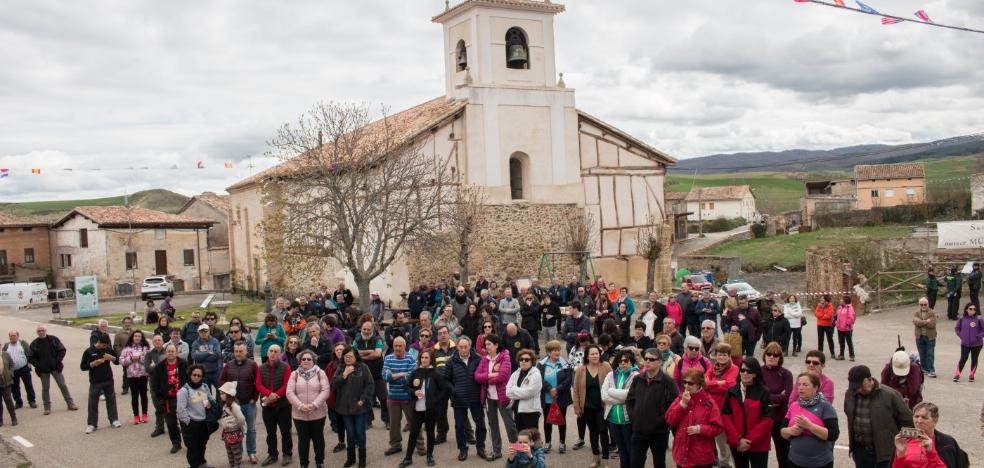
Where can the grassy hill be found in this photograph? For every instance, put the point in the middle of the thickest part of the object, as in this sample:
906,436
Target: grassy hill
158,199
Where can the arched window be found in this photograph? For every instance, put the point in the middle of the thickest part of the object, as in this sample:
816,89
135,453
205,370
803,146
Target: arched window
461,56
517,49
517,176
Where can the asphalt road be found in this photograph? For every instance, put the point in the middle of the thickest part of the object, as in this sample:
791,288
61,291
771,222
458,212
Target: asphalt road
58,440
119,306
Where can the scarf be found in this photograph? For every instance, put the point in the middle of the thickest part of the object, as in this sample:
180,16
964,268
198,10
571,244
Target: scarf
810,402
665,355
195,386
309,373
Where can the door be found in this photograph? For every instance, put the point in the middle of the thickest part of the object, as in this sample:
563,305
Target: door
160,262
3,262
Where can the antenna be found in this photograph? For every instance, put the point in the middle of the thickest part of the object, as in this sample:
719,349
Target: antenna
250,165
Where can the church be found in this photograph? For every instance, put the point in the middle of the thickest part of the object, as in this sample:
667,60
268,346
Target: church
508,123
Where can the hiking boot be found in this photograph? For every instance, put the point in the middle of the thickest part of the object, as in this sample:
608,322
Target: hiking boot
391,451
269,460
175,448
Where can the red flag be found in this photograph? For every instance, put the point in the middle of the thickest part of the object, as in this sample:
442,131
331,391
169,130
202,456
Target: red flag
887,20
840,3
921,14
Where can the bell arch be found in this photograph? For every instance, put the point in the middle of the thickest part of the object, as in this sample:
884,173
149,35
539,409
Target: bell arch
461,56
519,181
517,49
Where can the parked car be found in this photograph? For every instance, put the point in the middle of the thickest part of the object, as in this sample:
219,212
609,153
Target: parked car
22,294
743,288
60,295
698,282
158,285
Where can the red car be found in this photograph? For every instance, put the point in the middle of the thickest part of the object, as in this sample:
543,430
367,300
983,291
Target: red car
698,283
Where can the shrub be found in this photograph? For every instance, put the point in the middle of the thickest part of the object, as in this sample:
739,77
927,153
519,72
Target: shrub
716,225
758,230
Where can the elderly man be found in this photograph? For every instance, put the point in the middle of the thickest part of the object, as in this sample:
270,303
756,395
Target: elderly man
190,331
20,356
707,308
120,340
587,303
281,306
708,338
343,296
754,317
509,308
514,340
376,306
459,303
459,372
676,339
397,368
423,323
244,372
150,362
47,354
875,413
272,387
370,347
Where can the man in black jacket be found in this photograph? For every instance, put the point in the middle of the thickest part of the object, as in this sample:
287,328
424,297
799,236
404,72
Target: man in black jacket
459,372
514,340
169,376
650,395
97,361
47,354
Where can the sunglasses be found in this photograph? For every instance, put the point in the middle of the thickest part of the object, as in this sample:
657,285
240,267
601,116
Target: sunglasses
693,348
772,355
651,359
307,359
425,336
625,361
813,363
689,382
745,371
525,359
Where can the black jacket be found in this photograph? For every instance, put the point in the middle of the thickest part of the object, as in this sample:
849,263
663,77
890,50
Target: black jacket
323,350
436,390
47,354
551,315
776,329
357,387
159,386
103,372
522,340
648,401
950,452
530,314
460,376
565,378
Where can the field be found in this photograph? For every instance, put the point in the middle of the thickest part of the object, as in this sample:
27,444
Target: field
790,251
246,311
161,200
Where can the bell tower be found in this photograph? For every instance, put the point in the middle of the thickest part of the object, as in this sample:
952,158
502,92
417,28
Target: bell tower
498,43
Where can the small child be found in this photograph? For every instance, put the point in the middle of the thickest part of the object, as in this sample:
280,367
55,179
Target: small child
531,455
233,424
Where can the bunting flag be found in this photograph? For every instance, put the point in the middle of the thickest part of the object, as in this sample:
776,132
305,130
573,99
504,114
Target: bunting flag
36,171
200,165
228,165
840,3
802,1
866,8
4,173
887,20
921,14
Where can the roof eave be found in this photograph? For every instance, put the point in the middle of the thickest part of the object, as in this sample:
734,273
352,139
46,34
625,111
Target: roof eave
653,152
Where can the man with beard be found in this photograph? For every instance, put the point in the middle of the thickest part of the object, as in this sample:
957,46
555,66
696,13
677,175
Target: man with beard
417,301
459,303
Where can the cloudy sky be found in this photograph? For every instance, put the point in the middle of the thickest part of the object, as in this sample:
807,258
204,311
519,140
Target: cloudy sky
114,85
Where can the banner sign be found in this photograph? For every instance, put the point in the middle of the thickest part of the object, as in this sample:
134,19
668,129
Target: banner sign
86,296
960,235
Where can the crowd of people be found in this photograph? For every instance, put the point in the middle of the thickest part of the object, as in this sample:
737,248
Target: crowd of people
702,377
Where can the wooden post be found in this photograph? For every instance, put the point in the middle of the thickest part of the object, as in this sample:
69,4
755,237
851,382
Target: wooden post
878,275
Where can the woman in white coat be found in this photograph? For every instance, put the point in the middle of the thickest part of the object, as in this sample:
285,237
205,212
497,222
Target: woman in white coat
614,392
523,389
793,312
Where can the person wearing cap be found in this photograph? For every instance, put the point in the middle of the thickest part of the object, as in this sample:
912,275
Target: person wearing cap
924,321
905,377
207,352
233,424
97,361
874,415
376,307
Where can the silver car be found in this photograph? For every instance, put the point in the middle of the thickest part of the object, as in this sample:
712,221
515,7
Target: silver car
157,285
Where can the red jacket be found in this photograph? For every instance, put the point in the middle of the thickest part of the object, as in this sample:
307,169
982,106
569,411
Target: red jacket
825,315
750,419
717,391
697,449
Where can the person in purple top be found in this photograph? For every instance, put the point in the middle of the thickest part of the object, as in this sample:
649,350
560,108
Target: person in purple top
970,330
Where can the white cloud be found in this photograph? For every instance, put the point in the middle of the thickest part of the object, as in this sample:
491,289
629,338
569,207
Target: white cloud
111,84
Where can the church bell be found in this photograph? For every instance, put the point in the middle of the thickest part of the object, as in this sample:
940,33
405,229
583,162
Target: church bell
462,61
517,56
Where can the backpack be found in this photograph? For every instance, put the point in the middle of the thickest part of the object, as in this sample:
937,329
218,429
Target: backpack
214,411
679,366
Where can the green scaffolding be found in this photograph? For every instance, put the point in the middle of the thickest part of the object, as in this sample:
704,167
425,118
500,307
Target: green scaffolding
548,262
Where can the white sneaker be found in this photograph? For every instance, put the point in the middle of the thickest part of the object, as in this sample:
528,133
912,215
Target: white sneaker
102,397
116,424
90,429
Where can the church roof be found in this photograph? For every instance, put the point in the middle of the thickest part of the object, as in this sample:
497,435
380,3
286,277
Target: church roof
529,5
404,127
651,152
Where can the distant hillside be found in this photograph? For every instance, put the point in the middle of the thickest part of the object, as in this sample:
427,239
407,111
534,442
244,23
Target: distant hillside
841,158
158,199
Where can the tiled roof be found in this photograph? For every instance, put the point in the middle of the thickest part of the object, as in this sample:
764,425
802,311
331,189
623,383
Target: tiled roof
219,202
652,152
530,5
11,221
122,216
726,192
889,171
404,126
673,196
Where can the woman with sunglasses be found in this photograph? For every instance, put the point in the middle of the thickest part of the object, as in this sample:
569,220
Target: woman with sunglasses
970,330
424,342
718,379
428,390
291,352
815,362
697,420
246,334
193,401
779,381
488,329
523,389
587,400
307,392
614,392
353,399
668,359
810,426
746,414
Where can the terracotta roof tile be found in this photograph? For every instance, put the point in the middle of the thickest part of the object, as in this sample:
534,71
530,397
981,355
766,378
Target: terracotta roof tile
405,126
670,196
889,171
9,221
725,192
219,202
121,216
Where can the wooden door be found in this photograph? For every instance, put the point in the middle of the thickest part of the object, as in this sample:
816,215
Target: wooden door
160,262
3,262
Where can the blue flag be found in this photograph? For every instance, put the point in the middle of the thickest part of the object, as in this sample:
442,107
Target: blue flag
866,8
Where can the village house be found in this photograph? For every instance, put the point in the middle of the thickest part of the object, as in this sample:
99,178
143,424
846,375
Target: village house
122,245
24,249
873,186
213,207
508,123
729,202
676,205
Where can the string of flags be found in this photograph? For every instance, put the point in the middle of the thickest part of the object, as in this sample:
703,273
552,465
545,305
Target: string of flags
886,19
6,172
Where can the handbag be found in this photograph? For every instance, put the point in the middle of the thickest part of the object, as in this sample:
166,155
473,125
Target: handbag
555,416
214,411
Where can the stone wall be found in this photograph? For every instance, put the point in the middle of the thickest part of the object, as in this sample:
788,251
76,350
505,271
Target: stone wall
977,192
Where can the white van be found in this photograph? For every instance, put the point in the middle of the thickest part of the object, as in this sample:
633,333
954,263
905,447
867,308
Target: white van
22,294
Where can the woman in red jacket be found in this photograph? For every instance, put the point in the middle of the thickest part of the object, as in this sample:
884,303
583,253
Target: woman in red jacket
720,377
825,323
747,418
697,421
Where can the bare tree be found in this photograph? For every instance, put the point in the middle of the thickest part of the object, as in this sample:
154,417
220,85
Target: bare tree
469,206
650,245
578,237
350,189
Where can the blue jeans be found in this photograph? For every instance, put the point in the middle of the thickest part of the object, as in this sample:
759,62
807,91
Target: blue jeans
927,352
461,425
249,412
355,429
622,433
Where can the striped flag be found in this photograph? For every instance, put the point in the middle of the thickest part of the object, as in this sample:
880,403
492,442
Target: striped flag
228,165
921,14
866,8
887,20
36,171
4,173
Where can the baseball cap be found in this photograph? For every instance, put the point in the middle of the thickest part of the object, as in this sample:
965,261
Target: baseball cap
900,363
203,327
856,377
375,293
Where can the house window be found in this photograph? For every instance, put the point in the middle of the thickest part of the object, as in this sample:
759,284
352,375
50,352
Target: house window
27,229
83,237
874,194
910,192
189,257
889,193
710,205
160,234
516,178
517,49
66,260
131,260
28,255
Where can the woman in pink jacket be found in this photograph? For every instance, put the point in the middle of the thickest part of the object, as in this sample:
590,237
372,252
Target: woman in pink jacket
307,392
492,374
844,321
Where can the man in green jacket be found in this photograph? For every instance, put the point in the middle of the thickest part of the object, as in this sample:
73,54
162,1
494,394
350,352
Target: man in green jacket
954,282
874,416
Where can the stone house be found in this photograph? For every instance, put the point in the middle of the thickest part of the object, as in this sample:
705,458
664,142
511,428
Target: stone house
676,205
883,185
728,201
508,124
25,253
213,207
122,245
